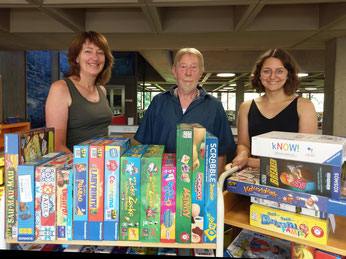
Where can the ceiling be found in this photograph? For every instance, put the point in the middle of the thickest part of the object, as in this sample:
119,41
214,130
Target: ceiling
231,34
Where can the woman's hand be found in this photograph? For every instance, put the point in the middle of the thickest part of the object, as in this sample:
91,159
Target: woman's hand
241,160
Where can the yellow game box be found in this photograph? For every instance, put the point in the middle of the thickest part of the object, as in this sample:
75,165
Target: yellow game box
290,223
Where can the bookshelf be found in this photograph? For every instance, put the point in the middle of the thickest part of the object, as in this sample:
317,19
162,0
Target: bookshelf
237,214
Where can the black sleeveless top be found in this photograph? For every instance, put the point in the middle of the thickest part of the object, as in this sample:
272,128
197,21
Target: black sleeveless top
286,120
86,119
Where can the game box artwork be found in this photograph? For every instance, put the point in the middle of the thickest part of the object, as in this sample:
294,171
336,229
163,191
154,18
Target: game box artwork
298,176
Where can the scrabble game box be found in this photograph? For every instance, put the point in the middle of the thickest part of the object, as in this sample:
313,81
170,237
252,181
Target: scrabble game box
113,153
210,194
198,184
184,183
130,190
289,223
26,196
45,196
80,189
168,198
64,203
20,147
298,176
150,205
96,188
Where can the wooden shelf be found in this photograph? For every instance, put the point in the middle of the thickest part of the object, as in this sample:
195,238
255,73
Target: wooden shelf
237,213
120,243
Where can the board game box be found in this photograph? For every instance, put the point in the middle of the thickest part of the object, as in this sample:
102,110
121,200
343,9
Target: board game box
246,182
198,183
150,205
298,176
312,148
250,244
210,194
168,198
184,182
45,196
80,189
26,196
96,188
113,153
20,147
289,223
64,203
130,190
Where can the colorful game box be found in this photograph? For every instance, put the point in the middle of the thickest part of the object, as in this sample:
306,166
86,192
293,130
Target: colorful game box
210,193
80,189
290,207
168,198
184,182
64,203
21,147
312,148
130,190
298,176
26,196
150,205
246,182
198,185
289,223
113,153
96,188
45,196
250,244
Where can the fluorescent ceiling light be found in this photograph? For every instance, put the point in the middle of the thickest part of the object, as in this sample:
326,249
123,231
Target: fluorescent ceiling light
225,74
233,84
310,88
151,87
302,74
145,84
229,88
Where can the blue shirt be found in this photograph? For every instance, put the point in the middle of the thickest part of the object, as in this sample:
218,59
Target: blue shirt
159,124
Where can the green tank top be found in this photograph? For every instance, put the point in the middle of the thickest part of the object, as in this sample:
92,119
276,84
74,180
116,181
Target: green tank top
86,119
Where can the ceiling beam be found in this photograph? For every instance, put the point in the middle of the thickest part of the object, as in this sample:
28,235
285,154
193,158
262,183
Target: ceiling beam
244,15
161,61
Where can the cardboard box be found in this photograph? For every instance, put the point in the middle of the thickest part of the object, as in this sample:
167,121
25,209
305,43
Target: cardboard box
198,185
26,196
184,182
150,205
312,148
130,190
45,196
246,182
96,188
298,176
64,203
80,189
113,153
290,207
250,244
210,194
291,224
168,198
21,147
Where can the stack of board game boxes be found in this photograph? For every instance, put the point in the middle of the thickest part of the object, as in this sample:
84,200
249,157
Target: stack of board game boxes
109,190
301,177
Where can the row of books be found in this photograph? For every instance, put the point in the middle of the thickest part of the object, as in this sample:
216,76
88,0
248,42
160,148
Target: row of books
90,249
299,175
250,244
107,190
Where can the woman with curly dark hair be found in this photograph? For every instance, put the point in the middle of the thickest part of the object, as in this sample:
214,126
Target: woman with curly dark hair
77,106
276,75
